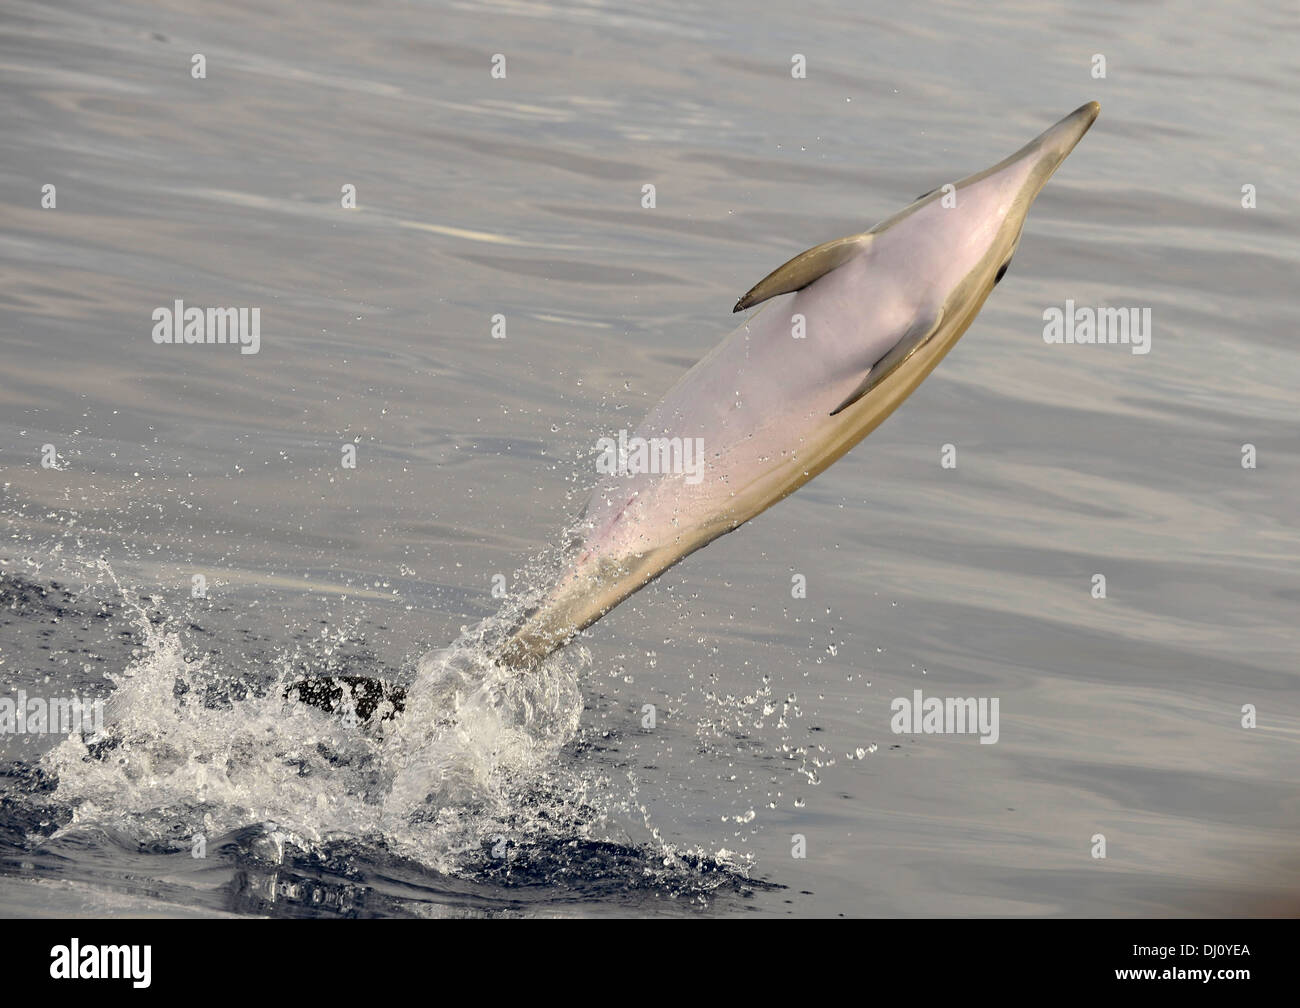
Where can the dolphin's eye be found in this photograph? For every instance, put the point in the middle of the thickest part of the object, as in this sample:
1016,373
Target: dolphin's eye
1001,273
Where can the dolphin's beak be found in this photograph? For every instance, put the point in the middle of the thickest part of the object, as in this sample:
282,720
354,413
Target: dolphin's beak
1057,141
1047,150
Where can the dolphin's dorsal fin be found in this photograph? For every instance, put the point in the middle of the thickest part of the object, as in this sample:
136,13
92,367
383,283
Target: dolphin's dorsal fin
803,269
916,336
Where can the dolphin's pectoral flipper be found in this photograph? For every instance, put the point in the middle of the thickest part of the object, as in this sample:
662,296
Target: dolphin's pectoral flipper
803,269
912,340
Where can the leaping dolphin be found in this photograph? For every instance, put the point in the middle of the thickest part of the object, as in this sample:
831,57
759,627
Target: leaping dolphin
877,312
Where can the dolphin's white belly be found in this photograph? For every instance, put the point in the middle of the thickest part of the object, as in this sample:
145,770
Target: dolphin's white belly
758,405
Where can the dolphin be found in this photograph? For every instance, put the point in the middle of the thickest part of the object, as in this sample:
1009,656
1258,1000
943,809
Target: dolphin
848,330
876,312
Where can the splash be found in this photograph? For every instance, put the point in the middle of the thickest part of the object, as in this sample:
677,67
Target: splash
192,745
477,780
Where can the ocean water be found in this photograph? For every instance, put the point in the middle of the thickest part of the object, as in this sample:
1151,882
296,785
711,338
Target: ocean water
1163,717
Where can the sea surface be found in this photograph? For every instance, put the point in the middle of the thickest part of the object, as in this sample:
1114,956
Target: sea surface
181,534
